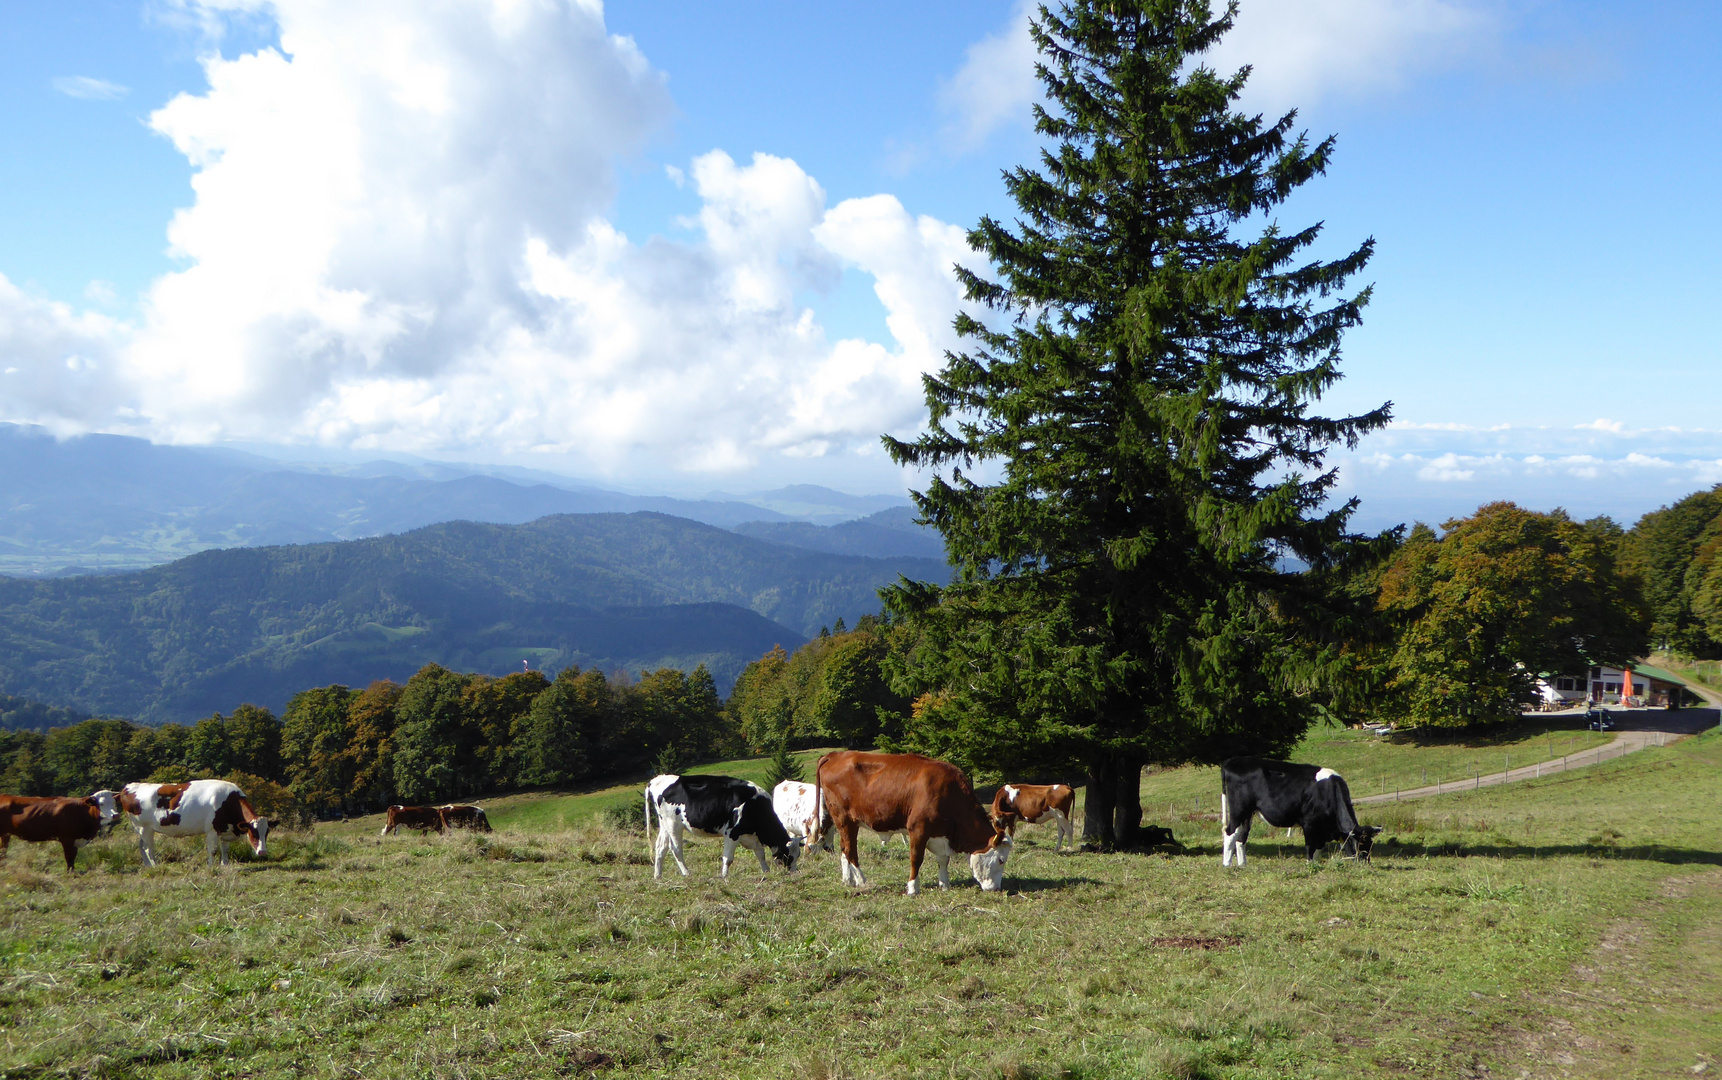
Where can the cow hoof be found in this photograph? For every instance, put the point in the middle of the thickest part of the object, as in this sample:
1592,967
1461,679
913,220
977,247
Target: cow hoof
914,888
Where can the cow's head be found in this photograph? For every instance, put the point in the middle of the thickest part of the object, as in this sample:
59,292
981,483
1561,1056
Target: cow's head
108,802
988,864
257,831
790,853
1359,841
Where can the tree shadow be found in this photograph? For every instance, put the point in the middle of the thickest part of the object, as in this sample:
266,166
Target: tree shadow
1661,853
1393,848
1015,884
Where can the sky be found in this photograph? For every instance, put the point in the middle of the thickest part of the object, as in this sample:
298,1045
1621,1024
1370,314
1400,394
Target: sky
690,247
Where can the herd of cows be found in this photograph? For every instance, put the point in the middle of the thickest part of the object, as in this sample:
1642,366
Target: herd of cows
930,803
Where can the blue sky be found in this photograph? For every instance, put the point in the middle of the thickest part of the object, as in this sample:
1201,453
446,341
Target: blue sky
542,236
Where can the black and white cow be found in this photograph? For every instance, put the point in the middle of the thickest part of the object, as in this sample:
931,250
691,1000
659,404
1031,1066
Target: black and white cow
718,806
1285,794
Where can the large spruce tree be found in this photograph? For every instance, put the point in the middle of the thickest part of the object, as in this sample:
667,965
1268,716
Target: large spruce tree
1124,457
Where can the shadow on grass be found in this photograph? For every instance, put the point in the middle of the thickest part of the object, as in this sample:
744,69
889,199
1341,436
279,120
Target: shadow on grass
1675,856
1014,884
1389,849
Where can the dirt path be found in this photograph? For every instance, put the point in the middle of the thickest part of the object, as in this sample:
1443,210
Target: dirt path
1635,730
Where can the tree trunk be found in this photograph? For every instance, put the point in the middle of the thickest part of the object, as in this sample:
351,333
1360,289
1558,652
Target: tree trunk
1127,809
1098,802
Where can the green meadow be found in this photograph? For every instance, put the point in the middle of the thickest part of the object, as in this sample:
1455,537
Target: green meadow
1566,927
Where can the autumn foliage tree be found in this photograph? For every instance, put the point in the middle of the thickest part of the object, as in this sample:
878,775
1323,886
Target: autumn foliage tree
1498,599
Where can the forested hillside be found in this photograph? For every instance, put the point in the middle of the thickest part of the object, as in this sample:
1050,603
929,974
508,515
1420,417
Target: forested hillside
886,534
258,624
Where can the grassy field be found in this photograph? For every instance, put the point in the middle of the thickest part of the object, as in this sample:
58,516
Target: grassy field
1565,927
1372,764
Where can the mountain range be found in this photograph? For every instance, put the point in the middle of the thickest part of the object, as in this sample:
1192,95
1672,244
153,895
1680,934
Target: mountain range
103,503
633,591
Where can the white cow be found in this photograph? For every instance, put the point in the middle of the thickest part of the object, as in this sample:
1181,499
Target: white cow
214,809
795,804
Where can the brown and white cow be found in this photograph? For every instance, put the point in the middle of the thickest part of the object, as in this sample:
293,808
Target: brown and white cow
71,822
422,818
214,809
932,802
1037,804
464,816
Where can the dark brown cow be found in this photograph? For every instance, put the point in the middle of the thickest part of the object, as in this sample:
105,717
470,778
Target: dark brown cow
1037,804
422,818
931,802
72,822
464,816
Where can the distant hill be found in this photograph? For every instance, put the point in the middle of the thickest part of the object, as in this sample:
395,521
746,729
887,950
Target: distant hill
256,624
887,534
18,714
110,502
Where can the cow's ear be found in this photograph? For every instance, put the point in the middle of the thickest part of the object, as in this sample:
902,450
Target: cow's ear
1374,830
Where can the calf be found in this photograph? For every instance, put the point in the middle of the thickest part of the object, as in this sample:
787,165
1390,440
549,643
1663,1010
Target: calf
463,816
422,818
930,801
796,804
71,822
716,806
1037,804
1315,800
214,809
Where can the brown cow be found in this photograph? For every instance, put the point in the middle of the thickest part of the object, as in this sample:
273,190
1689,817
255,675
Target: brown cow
72,822
931,802
422,818
464,816
1037,804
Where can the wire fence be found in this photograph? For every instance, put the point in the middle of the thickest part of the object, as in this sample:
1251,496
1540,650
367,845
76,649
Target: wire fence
1389,787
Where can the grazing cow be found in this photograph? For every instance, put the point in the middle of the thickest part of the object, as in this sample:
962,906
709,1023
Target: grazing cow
1286,794
422,818
214,809
1037,804
464,816
71,822
716,806
930,801
795,804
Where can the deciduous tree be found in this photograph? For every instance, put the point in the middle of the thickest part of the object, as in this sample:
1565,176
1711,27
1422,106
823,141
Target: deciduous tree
1499,598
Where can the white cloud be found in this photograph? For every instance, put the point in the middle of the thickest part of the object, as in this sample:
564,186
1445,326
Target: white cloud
56,365
996,84
399,240
1300,51
89,89
1304,50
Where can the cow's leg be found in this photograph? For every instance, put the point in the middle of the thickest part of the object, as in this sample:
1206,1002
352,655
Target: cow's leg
728,856
5,842
662,846
848,836
917,852
1234,841
753,844
146,849
676,849
70,847
941,849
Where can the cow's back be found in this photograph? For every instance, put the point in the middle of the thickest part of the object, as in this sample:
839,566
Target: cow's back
57,819
885,791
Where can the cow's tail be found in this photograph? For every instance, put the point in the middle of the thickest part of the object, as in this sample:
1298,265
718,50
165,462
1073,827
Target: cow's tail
647,796
819,799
